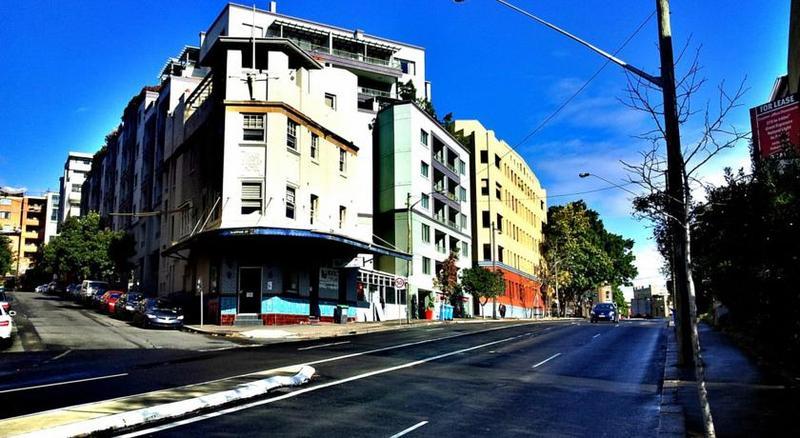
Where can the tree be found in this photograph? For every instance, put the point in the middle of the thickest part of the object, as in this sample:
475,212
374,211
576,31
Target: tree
446,279
408,92
619,300
482,283
6,256
81,250
583,254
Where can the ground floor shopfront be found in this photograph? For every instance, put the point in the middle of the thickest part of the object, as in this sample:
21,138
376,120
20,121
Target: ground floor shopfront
278,276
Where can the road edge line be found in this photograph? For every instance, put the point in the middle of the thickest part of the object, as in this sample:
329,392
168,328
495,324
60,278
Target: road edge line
168,411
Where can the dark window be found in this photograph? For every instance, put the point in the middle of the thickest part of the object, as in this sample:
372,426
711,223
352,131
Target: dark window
253,126
487,251
484,157
499,223
500,254
485,219
290,193
484,186
251,197
314,208
497,161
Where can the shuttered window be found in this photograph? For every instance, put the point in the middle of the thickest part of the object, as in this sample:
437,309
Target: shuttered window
251,197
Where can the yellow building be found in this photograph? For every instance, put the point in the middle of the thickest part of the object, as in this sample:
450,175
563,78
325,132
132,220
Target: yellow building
22,221
509,210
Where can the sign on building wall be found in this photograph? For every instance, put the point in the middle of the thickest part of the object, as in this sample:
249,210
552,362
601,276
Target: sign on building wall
773,121
328,283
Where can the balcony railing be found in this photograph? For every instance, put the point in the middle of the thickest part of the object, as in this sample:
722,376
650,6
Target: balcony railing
450,224
373,92
199,96
35,208
316,48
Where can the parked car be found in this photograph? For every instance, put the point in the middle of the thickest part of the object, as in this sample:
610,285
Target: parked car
6,326
158,312
70,290
605,312
126,304
5,301
94,301
89,289
108,301
42,288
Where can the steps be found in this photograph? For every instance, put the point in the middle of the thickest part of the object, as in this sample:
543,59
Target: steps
244,319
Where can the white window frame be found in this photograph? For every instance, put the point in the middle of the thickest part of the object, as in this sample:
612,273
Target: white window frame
252,123
291,134
342,161
244,200
290,201
330,97
314,148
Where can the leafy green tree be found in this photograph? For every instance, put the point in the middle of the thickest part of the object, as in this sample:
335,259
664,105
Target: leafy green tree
407,91
482,283
619,300
6,256
81,250
584,253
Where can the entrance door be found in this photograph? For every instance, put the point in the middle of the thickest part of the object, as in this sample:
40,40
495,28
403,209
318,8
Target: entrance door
249,290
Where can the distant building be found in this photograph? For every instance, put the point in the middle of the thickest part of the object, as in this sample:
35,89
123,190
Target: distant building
651,302
75,169
22,220
51,216
510,210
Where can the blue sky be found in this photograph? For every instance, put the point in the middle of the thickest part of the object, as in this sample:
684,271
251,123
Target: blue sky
67,70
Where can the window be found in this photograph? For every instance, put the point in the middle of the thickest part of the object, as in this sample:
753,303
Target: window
342,215
463,219
424,169
484,186
330,100
5,215
462,194
314,146
484,157
426,233
314,208
423,137
464,249
461,167
291,134
498,191
500,254
497,161
499,223
407,67
253,127
290,192
77,188
251,197
485,221
426,266
425,201
342,160
487,251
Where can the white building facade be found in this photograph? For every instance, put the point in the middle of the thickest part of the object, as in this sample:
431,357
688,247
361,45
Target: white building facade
76,167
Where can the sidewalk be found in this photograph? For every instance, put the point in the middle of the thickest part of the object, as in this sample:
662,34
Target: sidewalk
282,333
744,399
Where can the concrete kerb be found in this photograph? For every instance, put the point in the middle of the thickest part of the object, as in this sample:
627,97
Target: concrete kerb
671,420
168,411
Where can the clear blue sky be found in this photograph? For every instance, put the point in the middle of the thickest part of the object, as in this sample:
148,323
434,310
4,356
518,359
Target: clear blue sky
67,69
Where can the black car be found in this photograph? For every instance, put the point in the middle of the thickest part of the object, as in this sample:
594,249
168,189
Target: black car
605,312
126,305
158,312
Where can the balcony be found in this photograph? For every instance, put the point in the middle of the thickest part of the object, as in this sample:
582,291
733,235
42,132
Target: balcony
34,209
371,92
391,65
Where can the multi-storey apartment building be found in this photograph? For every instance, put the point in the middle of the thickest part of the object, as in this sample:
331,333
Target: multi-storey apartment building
510,209
51,215
247,174
422,184
76,167
22,221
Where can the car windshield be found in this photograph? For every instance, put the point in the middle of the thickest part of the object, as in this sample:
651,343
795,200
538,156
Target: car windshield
98,284
161,304
604,306
114,296
133,297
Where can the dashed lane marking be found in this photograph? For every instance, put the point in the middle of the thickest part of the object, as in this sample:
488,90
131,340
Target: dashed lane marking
62,383
323,345
412,428
546,360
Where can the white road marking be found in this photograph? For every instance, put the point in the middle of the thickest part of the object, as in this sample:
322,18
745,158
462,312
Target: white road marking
62,355
323,345
546,360
405,431
595,336
313,388
62,383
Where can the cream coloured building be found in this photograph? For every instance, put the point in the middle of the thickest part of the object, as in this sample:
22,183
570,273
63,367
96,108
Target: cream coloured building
510,209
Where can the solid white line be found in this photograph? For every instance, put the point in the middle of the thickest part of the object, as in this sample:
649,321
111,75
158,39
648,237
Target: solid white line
547,360
62,355
323,345
62,383
313,388
405,431
595,335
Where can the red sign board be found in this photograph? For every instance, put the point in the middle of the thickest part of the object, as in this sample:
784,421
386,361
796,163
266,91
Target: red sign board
774,120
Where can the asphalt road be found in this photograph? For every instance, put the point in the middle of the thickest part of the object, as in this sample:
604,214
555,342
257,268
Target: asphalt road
537,379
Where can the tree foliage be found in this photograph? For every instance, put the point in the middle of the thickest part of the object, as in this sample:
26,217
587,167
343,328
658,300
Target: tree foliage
407,91
6,256
83,250
482,283
446,279
745,238
584,253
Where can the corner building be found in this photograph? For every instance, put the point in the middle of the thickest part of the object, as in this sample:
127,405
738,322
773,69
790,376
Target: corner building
509,212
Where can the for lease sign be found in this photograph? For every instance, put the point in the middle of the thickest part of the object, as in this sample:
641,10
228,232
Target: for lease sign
774,120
